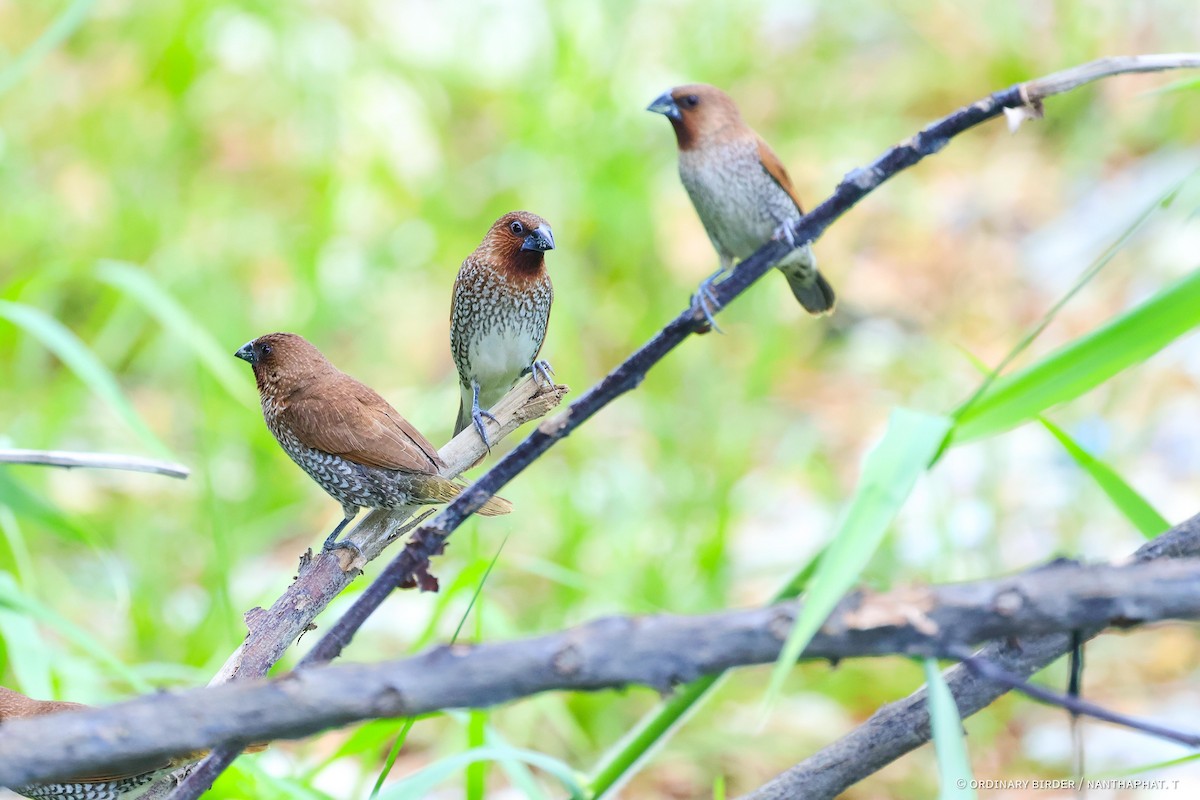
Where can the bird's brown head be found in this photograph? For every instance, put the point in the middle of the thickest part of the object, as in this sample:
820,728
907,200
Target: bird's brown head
700,114
519,241
283,361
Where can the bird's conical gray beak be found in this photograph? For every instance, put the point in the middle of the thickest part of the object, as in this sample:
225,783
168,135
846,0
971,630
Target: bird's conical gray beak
540,238
246,352
665,104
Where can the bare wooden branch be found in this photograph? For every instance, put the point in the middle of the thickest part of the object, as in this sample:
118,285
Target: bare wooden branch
902,726
428,540
70,460
1060,82
659,651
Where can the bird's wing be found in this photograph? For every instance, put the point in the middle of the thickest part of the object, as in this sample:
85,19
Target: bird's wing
352,420
776,170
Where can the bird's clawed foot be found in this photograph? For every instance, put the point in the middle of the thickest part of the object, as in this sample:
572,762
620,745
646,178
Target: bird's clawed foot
477,416
705,302
332,543
784,234
345,544
543,373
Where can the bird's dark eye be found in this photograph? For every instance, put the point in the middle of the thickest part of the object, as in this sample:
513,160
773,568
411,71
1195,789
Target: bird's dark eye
264,349
691,101
516,227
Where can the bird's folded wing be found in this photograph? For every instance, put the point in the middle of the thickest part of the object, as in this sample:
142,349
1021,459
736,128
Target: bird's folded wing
776,170
354,422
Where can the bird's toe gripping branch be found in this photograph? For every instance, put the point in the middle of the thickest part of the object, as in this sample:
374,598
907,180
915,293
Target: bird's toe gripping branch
543,373
704,301
784,234
478,415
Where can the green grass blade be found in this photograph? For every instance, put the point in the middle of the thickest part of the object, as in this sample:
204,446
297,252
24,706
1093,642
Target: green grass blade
1140,768
26,650
79,359
1136,508
1085,363
954,767
393,754
651,733
25,504
1162,201
421,784
12,598
177,320
623,759
59,31
402,736
22,558
909,444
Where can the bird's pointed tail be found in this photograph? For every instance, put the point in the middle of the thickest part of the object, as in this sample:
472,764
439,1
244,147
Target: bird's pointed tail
808,284
813,292
443,490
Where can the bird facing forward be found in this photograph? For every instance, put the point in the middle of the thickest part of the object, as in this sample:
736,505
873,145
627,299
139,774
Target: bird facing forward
127,784
739,187
499,314
344,435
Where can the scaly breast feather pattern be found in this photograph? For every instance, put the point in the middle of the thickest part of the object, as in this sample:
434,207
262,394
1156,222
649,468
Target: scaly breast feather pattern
497,328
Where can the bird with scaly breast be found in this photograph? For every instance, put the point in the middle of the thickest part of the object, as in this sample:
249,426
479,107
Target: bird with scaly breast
740,189
344,435
126,784
499,314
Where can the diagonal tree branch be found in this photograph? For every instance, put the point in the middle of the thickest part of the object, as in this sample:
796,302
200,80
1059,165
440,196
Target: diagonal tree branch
68,459
429,540
659,651
902,726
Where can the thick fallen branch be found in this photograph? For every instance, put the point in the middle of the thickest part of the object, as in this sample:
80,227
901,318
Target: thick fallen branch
69,460
657,651
428,540
900,727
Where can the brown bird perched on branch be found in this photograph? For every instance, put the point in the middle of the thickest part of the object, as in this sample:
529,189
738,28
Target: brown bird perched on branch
344,435
126,784
499,314
740,189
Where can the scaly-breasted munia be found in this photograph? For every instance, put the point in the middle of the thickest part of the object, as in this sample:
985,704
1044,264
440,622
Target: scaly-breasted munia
127,784
739,187
498,317
344,435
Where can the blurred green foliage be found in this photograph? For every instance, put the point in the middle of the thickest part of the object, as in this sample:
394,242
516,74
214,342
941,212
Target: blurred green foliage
181,177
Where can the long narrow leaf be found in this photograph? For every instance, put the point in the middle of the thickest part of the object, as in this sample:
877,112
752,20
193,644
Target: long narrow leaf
909,444
12,598
79,359
1162,201
954,767
28,654
1136,508
171,314
421,784
1085,363
621,761
59,31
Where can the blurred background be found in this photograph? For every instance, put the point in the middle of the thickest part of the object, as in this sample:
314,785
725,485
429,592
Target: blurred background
181,177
